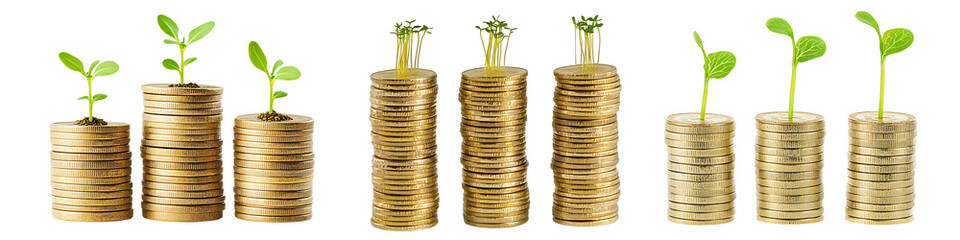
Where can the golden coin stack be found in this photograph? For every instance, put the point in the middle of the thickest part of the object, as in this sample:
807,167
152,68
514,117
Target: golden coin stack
90,172
585,145
403,115
789,160
700,168
494,108
273,169
880,188
182,167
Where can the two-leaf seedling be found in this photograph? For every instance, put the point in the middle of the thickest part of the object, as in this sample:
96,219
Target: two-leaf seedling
892,41
715,66
585,54
495,44
287,73
408,54
170,28
804,49
97,69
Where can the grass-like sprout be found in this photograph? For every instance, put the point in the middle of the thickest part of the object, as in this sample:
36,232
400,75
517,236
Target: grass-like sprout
408,54
169,27
97,69
288,73
716,66
585,53
892,41
804,49
495,44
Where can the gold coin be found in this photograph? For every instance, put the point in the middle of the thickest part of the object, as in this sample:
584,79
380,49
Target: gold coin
788,176
95,181
807,159
384,226
699,222
702,200
698,145
780,122
254,132
89,143
183,112
790,206
261,179
690,123
789,144
182,186
183,194
274,158
706,137
182,98
180,152
791,136
880,184
274,165
788,152
91,188
92,216
273,151
147,117
891,192
788,183
882,143
880,207
874,160
92,208
91,195
701,207
590,223
90,173
855,213
190,209
880,176
90,136
700,169
174,128
274,186
273,145
182,145
789,199
97,150
777,167
883,136
182,217
579,72
880,221
183,180
267,194
701,160
90,157
182,173
701,192
699,177
814,213
256,218
180,137
183,201
892,122
90,165
92,202
166,89
713,152
790,191
700,185
881,169
259,211
880,200
701,215
790,221
69,127
881,152
274,173
180,105
250,121
182,166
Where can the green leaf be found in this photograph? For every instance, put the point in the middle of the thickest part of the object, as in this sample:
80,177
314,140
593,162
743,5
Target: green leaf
72,62
106,68
719,64
99,96
201,31
92,65
895,40
696,37
778,25
279,94
168,41
168,26
809,48
256,56
83,98
865,17
288,73
188,61
276,65
171,64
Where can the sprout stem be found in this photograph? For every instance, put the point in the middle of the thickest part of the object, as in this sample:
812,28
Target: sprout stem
182,66
272,97
703,106
882,82
793,87
90,97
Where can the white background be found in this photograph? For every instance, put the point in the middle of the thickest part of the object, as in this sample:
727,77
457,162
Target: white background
337,44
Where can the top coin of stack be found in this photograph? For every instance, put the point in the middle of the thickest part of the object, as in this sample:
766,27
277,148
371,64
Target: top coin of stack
789,160
585,145
90,172
182,167
880,188
403,116
494,161
700,168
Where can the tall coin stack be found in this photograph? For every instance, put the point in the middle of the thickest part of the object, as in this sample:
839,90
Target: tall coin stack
700,168
494,108
880,188
182,167
273,169
585,145
403,116
90,172
789,160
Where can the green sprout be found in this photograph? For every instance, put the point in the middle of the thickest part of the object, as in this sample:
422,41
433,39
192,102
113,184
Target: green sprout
408,55
287,73
804,49
892,41
584,52
495,44
97,69
170,28
716,66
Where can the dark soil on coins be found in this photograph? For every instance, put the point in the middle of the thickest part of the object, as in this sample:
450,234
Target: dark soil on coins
86,122
273,117
188,85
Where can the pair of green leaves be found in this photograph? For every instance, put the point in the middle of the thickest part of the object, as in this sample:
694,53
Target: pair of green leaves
259,60
169,27
804,49
892,41
97,69
98,97
716,65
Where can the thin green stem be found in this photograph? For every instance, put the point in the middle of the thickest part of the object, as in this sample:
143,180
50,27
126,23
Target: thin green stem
182,67
882,82
703,105
793,87
90,97
271,96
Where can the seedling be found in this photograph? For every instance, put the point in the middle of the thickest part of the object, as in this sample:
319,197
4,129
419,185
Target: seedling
716,66
804,49
287,73
170,28
892,41
97,69
585,53
408,54
495,44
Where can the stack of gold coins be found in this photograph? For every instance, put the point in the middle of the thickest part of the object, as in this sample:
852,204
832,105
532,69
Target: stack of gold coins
182,167
700,168
273,168
403,115
585,138
494,107
880,188
789,160
90,172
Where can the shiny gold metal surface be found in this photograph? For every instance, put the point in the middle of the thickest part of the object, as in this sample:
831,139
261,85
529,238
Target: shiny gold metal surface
789,159
90,172
881,168
700,165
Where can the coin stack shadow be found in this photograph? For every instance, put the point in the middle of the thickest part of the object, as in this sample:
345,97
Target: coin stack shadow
273,169
880,188
789,163
90,172
181,150
403,116
585,138
494,108
700,168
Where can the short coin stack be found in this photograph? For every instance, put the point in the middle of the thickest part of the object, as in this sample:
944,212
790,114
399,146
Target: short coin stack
880,188
585,138
273,169
403,115
700,168
182,167
494,107
90,172
789,160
